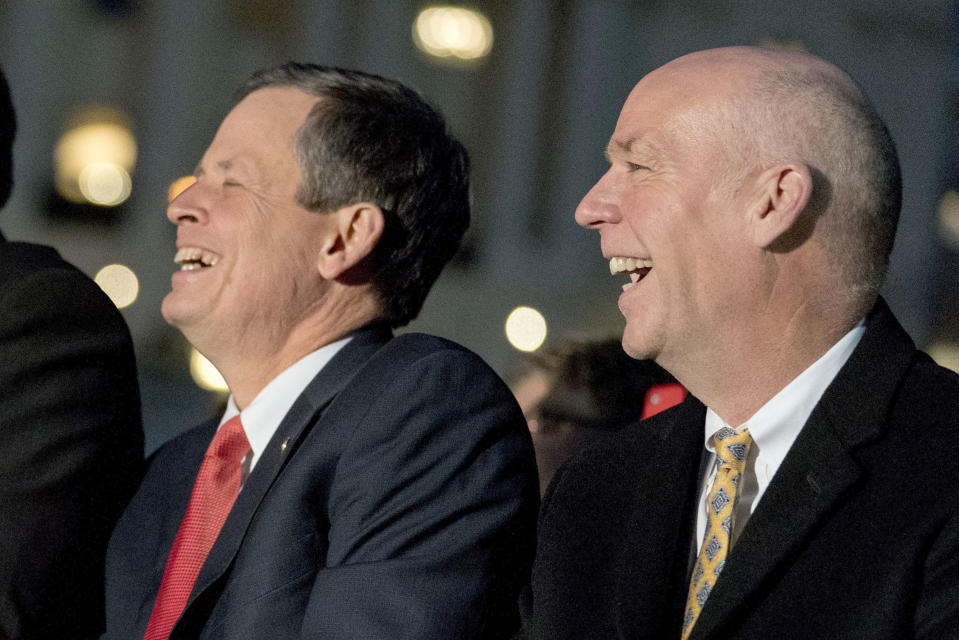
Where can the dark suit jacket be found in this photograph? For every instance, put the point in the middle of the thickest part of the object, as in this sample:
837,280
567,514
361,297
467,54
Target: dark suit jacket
857,535
71,445
397,499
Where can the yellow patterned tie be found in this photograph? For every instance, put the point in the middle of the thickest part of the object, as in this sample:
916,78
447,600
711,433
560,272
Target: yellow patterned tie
731,447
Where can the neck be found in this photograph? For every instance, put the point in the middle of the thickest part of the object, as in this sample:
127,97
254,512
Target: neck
250,362
758,359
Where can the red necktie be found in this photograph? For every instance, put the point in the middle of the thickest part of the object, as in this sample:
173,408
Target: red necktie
216,487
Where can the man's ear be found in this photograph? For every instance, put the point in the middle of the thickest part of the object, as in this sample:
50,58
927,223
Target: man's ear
781,195
355,231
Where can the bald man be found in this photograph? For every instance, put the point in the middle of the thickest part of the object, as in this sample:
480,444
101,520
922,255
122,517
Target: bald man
810,489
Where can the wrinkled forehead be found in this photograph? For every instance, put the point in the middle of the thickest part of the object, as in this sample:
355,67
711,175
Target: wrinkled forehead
271,114
677,103
691,82
257,137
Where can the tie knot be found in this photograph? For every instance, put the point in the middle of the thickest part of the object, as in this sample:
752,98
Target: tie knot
230,441
732,446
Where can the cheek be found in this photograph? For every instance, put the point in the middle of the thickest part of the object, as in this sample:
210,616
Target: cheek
658,216
643,210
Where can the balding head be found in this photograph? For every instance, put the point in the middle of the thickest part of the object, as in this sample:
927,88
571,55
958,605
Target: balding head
775,106
752,199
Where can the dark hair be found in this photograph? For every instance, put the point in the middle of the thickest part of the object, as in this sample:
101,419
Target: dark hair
8,129
373,139
594,384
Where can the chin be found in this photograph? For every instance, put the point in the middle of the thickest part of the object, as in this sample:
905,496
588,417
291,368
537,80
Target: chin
168,308
633,352
174,311
637,344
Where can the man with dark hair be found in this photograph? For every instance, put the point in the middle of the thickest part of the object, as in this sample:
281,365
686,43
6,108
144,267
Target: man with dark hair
808,488
358,485
71,444
393,151
577,392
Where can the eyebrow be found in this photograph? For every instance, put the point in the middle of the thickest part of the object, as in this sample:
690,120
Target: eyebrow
631,147
225,165
618,146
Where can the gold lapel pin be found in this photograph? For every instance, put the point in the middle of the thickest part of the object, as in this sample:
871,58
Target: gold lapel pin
283,446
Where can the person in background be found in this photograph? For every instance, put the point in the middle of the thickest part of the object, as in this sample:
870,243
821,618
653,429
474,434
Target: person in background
574,393
71,440
809,486
359,485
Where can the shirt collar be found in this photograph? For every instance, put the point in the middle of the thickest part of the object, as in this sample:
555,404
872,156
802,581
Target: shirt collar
264,414
775,426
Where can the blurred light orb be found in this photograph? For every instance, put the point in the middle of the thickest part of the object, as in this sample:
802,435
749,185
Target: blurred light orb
105,183
119,283
94,158
453,32
205,375
946,354
178,186
949,217
526,328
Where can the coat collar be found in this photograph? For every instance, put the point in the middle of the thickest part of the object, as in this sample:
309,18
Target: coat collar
302,416
671,446
818,472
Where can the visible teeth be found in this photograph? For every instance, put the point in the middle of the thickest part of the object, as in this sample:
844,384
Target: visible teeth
186,255
191,258
619,264
628,285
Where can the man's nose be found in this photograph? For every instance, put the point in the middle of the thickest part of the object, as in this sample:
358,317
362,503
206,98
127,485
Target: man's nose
598,207
187,207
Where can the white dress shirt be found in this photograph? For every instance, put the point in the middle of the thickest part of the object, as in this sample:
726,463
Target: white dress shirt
774,428
264,414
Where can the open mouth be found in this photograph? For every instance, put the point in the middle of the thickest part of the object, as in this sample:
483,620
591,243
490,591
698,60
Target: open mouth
635,268
192,258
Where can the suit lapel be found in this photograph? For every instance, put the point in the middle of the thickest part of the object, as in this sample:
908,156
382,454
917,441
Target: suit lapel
812,480
180,461
817,474
651,587
303,415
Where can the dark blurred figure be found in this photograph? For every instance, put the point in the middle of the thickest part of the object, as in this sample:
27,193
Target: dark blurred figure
577,392
71,443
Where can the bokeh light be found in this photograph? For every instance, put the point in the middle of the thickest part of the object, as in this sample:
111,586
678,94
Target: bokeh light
526,328
105,183
453,33
178,186
949,217
119,283
946,354
205,374
94,158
